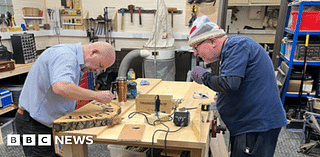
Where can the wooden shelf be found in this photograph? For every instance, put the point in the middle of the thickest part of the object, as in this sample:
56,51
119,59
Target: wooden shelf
76,24
33,18
8,109
19,69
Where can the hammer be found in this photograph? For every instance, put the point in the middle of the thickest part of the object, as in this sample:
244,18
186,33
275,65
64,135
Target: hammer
140,22
131,8
171,10
122,18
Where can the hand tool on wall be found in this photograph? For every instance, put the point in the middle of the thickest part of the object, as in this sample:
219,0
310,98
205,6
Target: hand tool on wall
8,19
194,10
171,10
140,22
131,9
13,21
108,27
122,18
49,13
106,24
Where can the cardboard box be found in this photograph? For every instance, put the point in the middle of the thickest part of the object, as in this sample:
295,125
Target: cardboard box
145,103
6,97
316,105
31,12
294,86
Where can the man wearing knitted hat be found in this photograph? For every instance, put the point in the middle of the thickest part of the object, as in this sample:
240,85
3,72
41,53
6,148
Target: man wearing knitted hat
248,97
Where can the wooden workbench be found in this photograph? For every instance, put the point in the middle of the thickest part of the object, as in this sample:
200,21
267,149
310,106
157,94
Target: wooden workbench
19,69
194,138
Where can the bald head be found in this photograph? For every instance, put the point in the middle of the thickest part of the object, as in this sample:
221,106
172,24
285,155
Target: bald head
98,56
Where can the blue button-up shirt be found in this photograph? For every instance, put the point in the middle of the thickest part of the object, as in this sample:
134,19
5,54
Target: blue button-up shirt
59,63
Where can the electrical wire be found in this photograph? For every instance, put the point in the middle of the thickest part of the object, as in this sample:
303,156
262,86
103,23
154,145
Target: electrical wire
132,114
167,131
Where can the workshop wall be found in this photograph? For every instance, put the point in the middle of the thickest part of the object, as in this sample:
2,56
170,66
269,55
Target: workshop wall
95,8
19,4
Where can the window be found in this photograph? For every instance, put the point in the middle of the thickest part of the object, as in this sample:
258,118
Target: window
6,5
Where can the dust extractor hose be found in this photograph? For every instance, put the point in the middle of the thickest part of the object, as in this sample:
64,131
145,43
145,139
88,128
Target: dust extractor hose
125,63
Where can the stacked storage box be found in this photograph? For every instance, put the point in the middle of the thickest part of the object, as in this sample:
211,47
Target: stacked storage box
6,127
6,98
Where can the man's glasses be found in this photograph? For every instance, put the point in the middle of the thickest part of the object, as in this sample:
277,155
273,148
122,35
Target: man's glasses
196,47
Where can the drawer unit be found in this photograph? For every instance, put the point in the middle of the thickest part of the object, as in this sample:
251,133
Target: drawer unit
24,48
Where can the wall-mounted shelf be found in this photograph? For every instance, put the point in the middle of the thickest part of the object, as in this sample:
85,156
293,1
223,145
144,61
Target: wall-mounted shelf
74,24
301,32
33,18
8,109
19,69
147,11
70,15
294,94
254,2
298,62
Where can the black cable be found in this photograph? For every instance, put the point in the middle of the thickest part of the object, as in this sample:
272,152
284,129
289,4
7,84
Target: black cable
162,131
165,138
132,114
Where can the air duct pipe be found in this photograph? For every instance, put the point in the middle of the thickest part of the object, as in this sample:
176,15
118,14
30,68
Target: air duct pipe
125,63
122,73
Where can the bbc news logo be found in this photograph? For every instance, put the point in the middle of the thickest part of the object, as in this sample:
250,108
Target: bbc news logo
45,140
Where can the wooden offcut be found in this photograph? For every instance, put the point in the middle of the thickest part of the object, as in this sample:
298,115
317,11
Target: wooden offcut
99,114
132,132
145,103
6,65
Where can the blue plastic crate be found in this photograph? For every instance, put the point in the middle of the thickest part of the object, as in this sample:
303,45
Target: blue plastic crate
6,98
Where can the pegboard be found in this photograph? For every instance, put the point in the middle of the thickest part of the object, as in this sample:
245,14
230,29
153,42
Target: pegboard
203,9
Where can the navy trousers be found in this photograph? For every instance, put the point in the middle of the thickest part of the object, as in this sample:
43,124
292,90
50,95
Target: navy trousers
27,125
255,144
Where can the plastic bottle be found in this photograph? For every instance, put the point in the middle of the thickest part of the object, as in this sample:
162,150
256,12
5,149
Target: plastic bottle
131,75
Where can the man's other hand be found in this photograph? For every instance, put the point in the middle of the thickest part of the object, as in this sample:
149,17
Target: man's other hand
197,74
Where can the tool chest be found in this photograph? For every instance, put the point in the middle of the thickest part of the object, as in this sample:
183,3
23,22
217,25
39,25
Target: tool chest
6,98
6,66
24,48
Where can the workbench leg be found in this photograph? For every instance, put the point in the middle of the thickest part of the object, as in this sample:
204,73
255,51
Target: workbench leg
195,153
218,147
79,150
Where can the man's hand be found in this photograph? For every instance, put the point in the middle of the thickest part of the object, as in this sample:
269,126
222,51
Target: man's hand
197,74
104,96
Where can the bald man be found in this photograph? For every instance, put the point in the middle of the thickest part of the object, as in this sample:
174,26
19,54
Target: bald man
52,88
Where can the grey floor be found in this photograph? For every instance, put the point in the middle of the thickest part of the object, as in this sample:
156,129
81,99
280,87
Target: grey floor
288,145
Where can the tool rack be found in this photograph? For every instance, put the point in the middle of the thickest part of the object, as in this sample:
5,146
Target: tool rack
146,11
290,60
